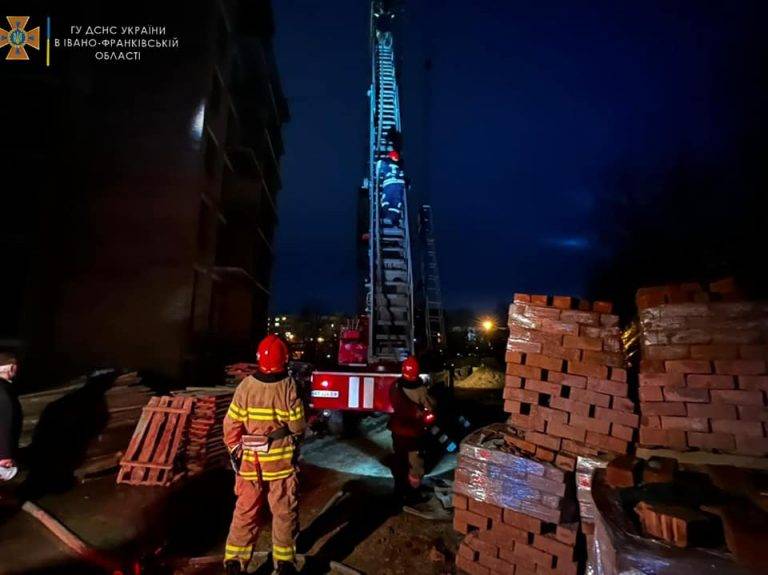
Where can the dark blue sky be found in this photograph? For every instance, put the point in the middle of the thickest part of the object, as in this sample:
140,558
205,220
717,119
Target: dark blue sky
555,141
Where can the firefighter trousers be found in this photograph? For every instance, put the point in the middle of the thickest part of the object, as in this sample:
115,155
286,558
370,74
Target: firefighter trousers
408,469
282,497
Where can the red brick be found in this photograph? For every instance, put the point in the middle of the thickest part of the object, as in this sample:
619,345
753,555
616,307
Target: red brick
652,365
522,565
472,519
754,352
560,352
662,408
606,442
579,342
521,521
466,552
496,565
485,509
749,445
570,406
580,317
565,462
612,344
609,320
564,302
607,386
524,346
710,381
653,421
567,431
622,471
567,533
715,351
539,312
740,366
548,414
513,381
591,397
576,448
650,393
686,395
482,546
746,428
545,440
602,306
578,381
616,416
559,327
618,374
460,501
534,555
544,454
544,387
665,352
753,412
676,524
513,357
587,369
540,300
673,438
471,567
753,382
524,395
544,362
611,359
685,423
511,405
622,404
622,432
527,422
506,535
688,366
552,546
721,441
526,371
590,424
522,298
711,410
662,379
737,396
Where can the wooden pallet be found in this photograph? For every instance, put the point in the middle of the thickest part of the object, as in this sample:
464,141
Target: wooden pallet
150,458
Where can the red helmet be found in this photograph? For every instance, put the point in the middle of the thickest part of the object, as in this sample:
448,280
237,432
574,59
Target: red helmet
272,354
394,155
411,368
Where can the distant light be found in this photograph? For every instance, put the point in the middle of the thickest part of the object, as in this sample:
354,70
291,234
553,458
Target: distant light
289,335
488,324
198,120
328,356
284,318
320,339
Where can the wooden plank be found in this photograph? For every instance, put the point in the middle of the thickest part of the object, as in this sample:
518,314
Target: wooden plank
180,427
163,446
705,458
136,440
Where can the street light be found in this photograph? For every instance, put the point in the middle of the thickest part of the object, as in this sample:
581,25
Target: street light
488,325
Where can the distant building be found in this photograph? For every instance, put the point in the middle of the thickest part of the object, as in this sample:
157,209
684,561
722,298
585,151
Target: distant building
145,195
312,338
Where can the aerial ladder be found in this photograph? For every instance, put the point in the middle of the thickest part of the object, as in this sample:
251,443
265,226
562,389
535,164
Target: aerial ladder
371,348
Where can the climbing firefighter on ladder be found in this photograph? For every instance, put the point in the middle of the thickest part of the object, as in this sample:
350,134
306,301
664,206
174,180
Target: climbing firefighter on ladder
261,430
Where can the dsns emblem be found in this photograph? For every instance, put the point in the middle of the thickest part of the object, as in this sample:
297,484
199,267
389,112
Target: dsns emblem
17,38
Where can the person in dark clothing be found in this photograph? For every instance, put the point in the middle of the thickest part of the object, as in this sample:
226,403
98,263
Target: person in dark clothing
10,417
411,403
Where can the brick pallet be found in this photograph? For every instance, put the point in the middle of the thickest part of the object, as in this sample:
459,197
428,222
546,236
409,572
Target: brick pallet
703,380
204,448
566,380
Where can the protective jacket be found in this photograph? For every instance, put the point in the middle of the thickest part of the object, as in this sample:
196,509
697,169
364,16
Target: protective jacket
10,420
409,400
263,404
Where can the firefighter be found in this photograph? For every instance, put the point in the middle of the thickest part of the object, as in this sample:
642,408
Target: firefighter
261,430
10,417
412,407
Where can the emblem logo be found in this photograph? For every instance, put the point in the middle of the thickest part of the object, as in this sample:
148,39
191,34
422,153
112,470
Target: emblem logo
18,38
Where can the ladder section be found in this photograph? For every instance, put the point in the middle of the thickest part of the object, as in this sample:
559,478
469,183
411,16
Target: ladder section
433,299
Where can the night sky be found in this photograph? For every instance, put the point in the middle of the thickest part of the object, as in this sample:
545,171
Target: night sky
575,148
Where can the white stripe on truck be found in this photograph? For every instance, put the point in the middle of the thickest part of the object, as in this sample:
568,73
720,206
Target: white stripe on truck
354,392
368,393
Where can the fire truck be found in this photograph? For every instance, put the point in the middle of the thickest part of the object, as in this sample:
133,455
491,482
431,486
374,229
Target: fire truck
371,349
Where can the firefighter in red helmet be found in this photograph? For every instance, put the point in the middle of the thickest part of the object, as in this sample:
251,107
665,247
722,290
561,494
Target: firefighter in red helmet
412,406
261,431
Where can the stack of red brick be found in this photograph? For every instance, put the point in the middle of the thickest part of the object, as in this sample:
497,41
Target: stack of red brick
566,384
703,373
518,514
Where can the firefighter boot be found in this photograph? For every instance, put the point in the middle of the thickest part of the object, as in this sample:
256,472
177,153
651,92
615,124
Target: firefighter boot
233,568
285,568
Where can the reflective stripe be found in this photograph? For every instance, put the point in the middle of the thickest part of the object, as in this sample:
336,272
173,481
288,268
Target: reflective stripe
368,392
266,475
354,392
283,553
238,549
272,455
237,552
232,414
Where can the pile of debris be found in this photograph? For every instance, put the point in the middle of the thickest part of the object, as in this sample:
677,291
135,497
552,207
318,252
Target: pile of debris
703,374
566,385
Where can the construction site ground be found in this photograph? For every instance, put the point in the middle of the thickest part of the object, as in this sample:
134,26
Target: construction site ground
160,529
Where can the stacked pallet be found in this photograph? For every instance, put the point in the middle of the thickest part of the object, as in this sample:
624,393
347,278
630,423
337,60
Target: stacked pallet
204,448
704,372
566,379
517,514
